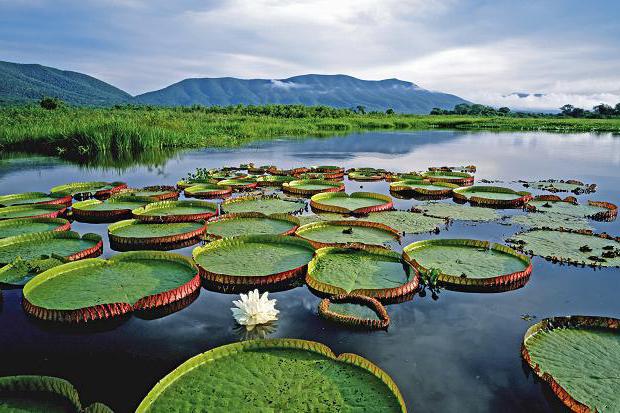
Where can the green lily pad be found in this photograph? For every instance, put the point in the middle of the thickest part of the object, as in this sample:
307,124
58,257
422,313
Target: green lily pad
248,259
97,288
355,311
405,222
555,186
238,183
550,220
590,210
274,375
457,212
471,263
157,193
251,223
274,180
27,198
83,190
366,175
175,211
21,226
133,233
24,256
207,191
573,247
112,209
23,394
355,203
267,205
311,186
579,357
364,270
332,233
32,211
186,183
330,169
458,178
492,196
423,187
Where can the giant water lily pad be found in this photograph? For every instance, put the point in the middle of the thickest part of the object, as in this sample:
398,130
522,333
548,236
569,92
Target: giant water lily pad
21,226
110,210
267,205
24,256
238,184
186,183
571,185
600,211
133,233
492,196
328,169
579,357
274,375
208,191
366,175
311,186
32,211
405,222
552,221
355,311
96,288
365,270
574,247
156,193
332,233
355,203
458,178
26,198
467,263
422,187
274,180
43,394
253,259
457,212
251,223
175,211
84,190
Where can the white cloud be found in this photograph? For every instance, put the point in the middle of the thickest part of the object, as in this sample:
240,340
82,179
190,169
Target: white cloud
279,84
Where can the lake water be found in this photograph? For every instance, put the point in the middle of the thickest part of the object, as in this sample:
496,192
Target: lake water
459,353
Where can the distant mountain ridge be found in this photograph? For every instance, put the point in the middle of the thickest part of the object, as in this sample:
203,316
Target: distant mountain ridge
29,82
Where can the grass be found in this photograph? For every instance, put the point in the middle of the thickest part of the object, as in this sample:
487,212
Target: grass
119,133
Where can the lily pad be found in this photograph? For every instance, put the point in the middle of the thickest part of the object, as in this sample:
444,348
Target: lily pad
333,233
469,264
21,226
265,204
186,183
366,175
208,191
21,394
238,184
251,223
579,358
253,259
311,187
573,247
85,190
462,168
457,212
365,270
600,211
27,198
24,256
492,196
458,178
551,221
571,185
405,222
175,211
328,169
32,211
133,233
355,311
289,375
157,192
289,172
113,209
423,187
406,176
274,180
355,203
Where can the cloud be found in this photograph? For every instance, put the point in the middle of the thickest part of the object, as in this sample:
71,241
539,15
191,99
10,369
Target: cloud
546,102
279,84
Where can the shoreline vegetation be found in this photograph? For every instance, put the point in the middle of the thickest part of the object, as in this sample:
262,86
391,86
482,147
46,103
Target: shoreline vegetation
124,132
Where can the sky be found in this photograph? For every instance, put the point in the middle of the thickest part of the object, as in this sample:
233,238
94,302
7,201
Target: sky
481,50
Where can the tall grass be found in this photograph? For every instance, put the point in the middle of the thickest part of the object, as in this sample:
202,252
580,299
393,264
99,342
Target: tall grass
121,132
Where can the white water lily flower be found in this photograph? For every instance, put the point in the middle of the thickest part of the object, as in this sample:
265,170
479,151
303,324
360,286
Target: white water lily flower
254,309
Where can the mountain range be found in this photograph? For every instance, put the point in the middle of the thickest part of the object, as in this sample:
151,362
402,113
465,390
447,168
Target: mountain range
23,83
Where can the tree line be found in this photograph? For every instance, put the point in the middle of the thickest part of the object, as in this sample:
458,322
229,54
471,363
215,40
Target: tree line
600,111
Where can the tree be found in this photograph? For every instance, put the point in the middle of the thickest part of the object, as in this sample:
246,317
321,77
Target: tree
461,109
567,110
617,110
603,110
505,110
360,109
50,103
390,111
438,111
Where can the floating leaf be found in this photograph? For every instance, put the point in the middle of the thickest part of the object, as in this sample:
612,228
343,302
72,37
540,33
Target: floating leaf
457,212
332,233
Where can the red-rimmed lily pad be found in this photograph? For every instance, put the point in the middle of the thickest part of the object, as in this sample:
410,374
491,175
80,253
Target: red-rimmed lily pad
355,203
458,178
596,210
32,211
208,191
468,264
44,394
423,187
186,183
21,226
253,259
362,269
289,172
27,198
175,211
156,192
135,234
294,375
274,180
578,357
355,311
335,233
457,212
405,176
569,185
311,186
363,175
85,190
24,256
238,184
96,289
113,209
491,196
251,223
264,204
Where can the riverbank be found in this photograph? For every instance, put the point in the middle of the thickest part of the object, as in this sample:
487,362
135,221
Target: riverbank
120,132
